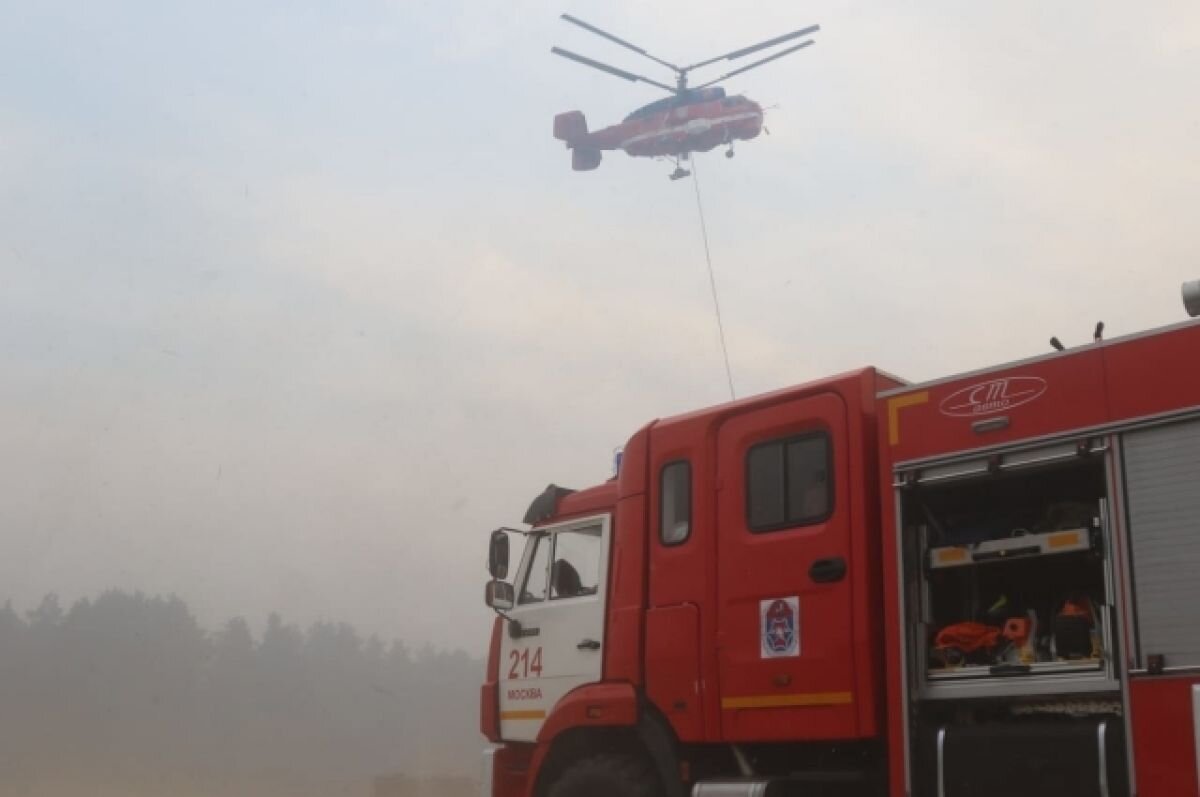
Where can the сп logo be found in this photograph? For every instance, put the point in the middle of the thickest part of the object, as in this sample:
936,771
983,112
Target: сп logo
995,395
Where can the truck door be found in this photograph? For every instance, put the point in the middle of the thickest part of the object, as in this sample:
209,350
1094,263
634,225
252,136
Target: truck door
560,590
785,642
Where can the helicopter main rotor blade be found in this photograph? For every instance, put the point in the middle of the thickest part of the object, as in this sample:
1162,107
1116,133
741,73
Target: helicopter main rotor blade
748,67
612,70
796,34
593,29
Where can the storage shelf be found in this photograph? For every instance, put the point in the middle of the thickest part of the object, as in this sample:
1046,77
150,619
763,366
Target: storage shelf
1008,548
1010,671
1060,682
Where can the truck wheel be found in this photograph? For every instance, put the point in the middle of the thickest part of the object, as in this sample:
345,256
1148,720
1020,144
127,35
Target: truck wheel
607,776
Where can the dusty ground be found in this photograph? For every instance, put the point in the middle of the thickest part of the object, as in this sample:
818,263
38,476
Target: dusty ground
405,787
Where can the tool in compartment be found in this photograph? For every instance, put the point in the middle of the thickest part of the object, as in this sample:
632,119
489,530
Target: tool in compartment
1075,634
966,643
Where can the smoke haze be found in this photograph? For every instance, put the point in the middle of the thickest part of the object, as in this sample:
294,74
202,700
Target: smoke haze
298,299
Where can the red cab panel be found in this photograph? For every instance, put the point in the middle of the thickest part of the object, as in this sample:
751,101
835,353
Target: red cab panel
1164,740
627,593
1168,362
595,705
784,606
673,668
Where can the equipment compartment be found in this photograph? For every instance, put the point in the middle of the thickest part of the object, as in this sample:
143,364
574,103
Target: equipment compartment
1008,577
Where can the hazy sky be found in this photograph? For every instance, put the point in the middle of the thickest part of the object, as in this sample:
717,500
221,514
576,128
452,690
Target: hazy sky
299,299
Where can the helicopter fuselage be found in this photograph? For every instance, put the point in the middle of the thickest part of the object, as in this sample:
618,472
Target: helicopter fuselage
676,130
694,119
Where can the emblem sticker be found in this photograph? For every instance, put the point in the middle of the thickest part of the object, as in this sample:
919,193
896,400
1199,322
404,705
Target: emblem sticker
996,395
779,627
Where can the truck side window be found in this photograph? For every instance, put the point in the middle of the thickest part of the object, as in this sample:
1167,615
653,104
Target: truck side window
787,482
534,590
576,569
675,503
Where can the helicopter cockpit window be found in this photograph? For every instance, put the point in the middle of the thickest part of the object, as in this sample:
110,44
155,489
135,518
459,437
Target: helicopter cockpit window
654,107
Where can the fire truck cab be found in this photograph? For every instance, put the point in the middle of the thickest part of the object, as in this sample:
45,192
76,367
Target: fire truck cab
980,585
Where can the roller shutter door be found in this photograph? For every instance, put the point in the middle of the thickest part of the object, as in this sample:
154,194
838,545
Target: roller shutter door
1162,472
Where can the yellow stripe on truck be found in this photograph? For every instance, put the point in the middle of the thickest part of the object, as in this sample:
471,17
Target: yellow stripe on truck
898,403
783,701
527,714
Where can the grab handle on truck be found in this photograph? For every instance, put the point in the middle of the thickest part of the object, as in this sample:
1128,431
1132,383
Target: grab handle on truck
824,571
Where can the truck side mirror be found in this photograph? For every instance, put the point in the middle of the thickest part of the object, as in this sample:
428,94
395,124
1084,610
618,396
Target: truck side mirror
498,555
499,595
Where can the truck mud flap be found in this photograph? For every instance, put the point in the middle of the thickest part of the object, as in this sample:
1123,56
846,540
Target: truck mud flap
1082,758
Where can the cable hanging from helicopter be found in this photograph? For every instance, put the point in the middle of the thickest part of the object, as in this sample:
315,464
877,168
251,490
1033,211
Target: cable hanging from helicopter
691,119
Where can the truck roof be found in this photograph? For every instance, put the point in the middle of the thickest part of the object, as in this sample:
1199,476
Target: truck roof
590,500
774,396
1050,355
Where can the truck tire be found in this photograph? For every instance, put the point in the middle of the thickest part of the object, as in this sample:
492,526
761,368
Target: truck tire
607,776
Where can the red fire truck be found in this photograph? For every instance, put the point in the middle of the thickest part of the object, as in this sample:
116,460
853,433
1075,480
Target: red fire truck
987,584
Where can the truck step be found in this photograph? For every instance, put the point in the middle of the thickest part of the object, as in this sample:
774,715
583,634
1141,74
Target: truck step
800,784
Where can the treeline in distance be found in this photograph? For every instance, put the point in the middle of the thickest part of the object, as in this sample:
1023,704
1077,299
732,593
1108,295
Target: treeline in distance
129,686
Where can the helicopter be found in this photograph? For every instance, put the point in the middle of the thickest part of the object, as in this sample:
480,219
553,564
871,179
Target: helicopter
691,119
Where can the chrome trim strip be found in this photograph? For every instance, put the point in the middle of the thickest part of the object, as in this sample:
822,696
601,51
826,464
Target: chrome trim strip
1025,686
1101,733
1190,669
941,762
1110,588
1147,333
1046,460
991,425
902,608
730,789
983,465
1121,619
949,477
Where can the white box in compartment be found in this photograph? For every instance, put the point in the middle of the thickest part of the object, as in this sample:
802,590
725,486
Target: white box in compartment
1052,542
